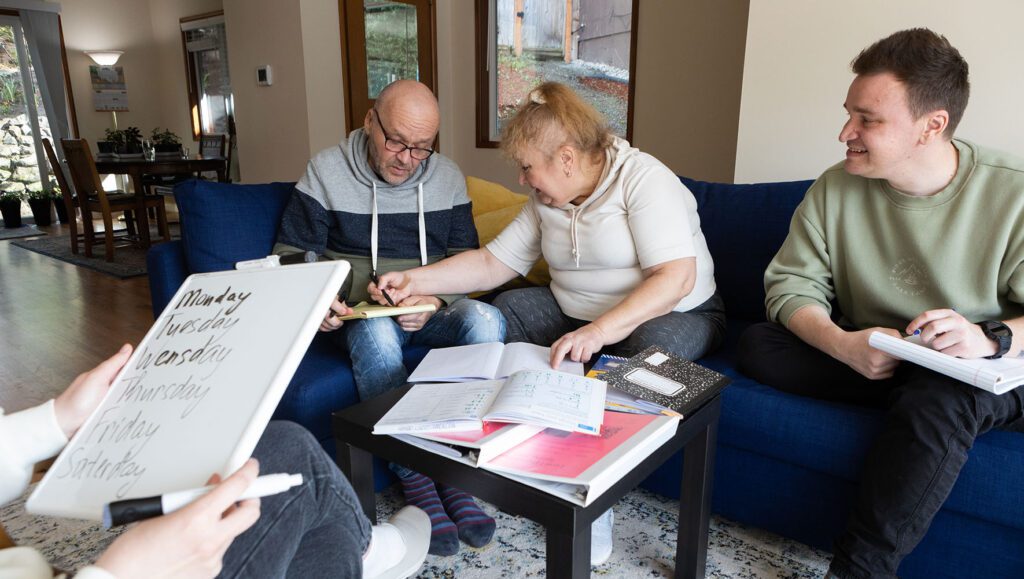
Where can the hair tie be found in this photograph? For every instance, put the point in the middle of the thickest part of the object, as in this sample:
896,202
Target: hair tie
537,97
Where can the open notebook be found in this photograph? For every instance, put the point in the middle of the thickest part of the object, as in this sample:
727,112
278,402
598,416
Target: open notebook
997,376
489,361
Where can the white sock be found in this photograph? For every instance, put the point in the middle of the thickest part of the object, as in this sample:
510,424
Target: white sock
386,548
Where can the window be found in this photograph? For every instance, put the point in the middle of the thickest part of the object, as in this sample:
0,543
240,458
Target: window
23,120
588,45
384,41
211,106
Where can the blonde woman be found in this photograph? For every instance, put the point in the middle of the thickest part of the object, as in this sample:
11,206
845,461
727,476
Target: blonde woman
629,264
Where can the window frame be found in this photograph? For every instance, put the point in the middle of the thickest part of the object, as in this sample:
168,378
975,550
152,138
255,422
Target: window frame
194,111
486,99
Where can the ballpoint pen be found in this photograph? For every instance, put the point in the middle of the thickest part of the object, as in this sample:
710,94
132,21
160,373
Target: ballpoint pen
376,281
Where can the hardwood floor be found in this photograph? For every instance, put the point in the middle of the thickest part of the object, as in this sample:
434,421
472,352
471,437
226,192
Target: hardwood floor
57,320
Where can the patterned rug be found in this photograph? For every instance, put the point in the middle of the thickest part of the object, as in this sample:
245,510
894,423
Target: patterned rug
128,261
645,532
26,230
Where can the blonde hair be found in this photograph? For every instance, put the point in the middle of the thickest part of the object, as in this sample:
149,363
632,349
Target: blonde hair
554,115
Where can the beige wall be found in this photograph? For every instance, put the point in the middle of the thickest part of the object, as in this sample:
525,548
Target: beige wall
797,73
281,126
688,78
165,17
113,25
154,66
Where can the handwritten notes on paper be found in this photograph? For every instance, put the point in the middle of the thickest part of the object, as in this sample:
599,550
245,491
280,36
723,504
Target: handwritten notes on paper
197,392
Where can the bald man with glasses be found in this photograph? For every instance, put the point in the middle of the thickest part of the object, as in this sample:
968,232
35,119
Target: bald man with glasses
384,200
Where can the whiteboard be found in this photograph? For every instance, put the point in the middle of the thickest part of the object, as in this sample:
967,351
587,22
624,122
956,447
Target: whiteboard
197,392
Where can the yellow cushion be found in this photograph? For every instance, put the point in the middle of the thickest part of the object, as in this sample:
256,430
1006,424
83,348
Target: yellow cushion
494,207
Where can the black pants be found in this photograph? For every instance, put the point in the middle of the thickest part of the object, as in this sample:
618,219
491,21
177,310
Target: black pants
931,423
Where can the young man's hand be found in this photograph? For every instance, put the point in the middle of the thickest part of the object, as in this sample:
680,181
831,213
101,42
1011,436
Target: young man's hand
86,392
190,542
854,351
950,333
396,283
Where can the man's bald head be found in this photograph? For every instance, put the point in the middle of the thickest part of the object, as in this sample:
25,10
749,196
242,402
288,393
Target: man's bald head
406,112
412,99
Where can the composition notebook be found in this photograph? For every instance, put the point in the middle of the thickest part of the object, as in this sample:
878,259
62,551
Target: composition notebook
197,392
997,376
657,376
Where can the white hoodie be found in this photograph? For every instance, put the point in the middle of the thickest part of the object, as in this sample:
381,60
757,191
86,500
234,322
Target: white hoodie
640,215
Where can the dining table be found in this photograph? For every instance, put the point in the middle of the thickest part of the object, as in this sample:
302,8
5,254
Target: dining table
138,169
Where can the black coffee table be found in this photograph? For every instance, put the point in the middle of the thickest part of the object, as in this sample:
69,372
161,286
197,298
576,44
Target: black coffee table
567,524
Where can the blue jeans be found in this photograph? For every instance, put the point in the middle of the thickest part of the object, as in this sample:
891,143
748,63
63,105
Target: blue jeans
315,530
375,345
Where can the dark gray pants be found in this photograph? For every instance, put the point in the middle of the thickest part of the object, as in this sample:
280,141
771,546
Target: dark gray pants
533,316
315,530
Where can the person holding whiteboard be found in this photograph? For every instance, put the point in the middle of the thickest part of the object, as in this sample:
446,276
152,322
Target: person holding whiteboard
316,529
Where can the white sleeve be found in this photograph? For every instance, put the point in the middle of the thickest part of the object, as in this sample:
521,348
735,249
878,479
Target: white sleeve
518,245
26,438
662,217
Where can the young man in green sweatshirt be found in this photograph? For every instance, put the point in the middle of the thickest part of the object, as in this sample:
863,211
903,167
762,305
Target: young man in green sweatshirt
915,232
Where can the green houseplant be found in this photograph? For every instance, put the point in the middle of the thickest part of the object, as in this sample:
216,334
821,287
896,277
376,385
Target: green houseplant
165,141
10,207
40,203
122,141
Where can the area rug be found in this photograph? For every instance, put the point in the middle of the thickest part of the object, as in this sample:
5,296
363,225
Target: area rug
23,231
645,532
128,261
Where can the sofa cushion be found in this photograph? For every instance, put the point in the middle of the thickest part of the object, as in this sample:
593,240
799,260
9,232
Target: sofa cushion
494,207
225,223
744,226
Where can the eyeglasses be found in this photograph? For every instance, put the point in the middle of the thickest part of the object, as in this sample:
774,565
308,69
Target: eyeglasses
418,153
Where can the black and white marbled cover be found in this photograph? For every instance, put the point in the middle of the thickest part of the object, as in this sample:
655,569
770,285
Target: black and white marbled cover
657,376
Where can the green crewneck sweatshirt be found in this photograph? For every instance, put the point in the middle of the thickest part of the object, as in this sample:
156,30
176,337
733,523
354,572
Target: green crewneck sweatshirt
886,257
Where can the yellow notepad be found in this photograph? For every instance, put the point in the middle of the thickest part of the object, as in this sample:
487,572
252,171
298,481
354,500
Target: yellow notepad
364,311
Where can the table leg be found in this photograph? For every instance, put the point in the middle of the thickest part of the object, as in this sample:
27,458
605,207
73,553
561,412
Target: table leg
141,213
568,555
695,503
357,464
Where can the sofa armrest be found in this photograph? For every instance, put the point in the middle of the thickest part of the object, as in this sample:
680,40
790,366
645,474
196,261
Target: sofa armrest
167,269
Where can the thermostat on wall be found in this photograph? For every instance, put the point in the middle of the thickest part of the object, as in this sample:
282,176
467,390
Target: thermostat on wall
264,76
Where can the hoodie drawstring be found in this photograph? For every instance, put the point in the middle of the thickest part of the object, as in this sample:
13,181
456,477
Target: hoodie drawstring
572,233
422,228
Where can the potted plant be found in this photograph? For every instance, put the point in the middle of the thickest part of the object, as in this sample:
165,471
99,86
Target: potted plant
58,202
165,141
10,208
113,140
40,203
132,143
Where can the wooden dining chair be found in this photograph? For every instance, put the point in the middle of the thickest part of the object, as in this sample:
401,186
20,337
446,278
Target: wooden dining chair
70,201
93,199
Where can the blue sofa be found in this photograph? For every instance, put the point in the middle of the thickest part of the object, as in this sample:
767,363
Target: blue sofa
786,464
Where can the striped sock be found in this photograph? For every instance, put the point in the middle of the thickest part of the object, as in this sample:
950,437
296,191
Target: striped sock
476,528
420,492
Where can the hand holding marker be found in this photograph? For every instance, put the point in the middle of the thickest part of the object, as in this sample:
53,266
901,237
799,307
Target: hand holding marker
131,510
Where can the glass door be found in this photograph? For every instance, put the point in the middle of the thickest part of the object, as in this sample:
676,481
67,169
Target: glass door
23,120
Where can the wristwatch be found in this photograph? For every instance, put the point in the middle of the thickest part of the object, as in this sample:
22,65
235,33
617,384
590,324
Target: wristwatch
999,333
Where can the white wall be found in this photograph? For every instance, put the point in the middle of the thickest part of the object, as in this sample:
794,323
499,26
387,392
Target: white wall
797,72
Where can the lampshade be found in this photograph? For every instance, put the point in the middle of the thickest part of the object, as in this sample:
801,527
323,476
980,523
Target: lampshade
104,57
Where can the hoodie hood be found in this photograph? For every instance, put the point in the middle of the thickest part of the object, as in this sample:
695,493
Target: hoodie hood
356,152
